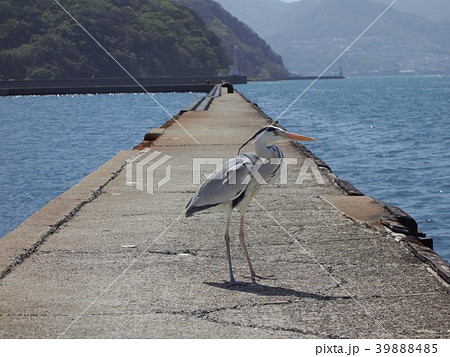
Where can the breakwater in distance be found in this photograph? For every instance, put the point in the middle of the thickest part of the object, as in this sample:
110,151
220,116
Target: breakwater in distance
114,85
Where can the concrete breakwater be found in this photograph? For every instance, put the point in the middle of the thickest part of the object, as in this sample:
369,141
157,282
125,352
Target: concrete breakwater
107,259
114,85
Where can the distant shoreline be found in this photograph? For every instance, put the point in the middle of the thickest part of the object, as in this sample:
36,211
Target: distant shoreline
350,76
295,78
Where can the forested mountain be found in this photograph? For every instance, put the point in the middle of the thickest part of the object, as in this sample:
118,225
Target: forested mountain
256,58
148,37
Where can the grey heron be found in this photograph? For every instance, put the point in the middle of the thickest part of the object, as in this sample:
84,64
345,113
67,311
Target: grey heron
232,185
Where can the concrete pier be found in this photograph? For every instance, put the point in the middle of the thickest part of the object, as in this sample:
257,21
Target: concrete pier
108,260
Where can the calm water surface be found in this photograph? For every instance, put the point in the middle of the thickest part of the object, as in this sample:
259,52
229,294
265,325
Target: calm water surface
49,143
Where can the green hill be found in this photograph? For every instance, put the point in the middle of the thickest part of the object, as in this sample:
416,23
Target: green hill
256,58
148,37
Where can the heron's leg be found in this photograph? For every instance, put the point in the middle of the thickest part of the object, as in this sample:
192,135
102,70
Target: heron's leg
253,276
227,242
244,248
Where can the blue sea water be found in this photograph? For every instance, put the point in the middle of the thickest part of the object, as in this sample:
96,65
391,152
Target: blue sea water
49,143
389,136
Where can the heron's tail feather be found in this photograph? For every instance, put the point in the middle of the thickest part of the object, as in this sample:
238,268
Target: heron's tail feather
191,208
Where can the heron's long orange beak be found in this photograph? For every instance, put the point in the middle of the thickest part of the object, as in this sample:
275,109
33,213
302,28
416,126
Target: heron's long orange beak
292,136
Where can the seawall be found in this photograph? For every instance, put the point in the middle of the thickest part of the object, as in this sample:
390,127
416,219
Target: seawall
114,85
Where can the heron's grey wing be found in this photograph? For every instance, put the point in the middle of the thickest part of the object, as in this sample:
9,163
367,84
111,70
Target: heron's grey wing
223,186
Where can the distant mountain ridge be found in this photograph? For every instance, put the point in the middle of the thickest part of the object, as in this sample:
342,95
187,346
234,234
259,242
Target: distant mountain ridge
310,34
256,58
434,10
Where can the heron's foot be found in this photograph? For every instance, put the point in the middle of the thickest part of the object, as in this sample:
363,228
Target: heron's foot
234,283
261,277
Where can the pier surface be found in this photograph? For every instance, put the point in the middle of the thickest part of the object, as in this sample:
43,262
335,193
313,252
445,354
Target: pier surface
106,260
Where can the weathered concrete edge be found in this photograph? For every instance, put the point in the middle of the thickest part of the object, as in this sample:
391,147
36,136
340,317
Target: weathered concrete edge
395,221
30,250
200,104
206,101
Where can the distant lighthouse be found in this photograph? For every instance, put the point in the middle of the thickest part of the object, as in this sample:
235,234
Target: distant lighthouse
234,70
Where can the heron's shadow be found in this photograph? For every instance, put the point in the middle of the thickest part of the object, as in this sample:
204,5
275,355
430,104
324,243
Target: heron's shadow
266,290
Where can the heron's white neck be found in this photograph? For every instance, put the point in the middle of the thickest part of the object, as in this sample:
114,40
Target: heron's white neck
267,152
